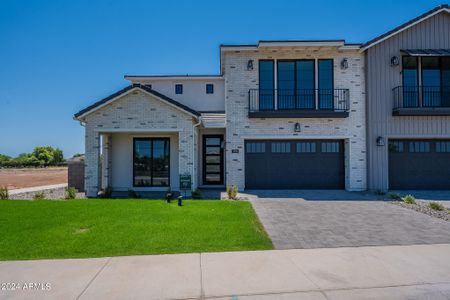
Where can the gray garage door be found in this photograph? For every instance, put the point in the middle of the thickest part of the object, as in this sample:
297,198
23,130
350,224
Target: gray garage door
294,164
419,164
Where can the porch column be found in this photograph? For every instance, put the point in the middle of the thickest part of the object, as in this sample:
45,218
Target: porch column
106,160
186,154
92,162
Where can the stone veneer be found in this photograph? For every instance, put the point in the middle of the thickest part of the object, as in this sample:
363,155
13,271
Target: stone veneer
238,81
136,111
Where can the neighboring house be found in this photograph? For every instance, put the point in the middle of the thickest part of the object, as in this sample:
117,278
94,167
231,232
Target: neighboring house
281,115
408,104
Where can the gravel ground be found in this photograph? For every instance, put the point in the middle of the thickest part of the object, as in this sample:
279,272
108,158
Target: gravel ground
422,207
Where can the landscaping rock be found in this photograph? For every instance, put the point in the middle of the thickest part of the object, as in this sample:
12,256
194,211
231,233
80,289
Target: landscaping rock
422,207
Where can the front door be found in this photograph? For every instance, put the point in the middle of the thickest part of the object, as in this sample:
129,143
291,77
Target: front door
212,159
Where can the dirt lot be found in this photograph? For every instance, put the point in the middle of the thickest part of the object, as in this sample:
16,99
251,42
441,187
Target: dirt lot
22,178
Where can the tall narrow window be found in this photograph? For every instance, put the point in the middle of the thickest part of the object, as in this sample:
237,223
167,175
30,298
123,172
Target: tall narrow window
410,81
266,85
325,84
286,84
151,162
431,82
305,84
445,73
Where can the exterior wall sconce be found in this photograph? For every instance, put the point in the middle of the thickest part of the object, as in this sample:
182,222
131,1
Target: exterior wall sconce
297,127
395,61
380,141
344,63
250,65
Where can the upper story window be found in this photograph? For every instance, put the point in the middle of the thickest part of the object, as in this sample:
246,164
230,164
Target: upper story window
426,81
266,84
210,88
295,87
178,89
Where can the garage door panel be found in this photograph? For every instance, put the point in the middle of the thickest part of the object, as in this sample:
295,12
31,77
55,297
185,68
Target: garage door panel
427,169
294,165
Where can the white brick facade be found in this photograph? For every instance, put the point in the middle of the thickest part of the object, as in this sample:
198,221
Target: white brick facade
238,81
140,113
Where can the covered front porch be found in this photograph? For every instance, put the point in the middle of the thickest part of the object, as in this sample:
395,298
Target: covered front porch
143,161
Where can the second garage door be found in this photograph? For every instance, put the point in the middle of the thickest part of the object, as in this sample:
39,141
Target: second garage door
294,164
419,164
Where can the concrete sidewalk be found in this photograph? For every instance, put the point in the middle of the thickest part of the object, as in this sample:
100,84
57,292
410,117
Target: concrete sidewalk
385,272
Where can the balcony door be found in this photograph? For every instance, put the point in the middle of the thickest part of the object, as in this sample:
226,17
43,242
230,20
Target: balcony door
296,84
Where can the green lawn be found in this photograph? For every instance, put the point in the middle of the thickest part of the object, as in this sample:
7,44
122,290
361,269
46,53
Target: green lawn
95,228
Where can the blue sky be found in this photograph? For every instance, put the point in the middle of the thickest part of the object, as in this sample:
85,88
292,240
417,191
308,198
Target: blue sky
56,57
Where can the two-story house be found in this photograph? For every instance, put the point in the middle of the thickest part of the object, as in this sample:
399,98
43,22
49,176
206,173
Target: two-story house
282,115
408,104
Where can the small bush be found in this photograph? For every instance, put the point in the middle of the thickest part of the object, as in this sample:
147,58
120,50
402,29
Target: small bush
394,196
409,199
232,192
132,194
380,192
71,193
4,194
197,194
39,196
436,206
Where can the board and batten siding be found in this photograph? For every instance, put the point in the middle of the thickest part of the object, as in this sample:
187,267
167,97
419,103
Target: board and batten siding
432,33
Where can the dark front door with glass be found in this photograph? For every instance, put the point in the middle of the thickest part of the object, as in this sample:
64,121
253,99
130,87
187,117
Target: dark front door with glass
151,162
212,159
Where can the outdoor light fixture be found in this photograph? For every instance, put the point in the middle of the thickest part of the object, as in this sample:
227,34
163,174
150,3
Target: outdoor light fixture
297,127
380,141
344,63
250,65
395,61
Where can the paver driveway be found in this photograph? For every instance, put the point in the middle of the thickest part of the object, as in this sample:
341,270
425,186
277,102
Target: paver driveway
330,221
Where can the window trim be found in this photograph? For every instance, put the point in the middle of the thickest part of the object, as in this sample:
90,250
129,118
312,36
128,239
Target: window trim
134,152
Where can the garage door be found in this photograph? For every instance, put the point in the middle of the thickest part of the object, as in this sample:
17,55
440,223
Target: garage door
294,164
419,164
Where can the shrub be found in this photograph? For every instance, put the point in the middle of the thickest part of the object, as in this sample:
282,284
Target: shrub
436,206
4,194
232,192
39,196
132,194
380,192
197,194
409,199
394,196
71,193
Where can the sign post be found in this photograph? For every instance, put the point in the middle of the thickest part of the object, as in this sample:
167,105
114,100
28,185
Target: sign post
185,183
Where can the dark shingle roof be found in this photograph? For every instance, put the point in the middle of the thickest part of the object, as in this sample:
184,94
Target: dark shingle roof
140,86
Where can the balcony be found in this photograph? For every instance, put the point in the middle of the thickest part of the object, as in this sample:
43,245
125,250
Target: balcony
421,101
311,103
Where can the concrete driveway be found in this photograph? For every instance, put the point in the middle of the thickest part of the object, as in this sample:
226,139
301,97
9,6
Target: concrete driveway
328,219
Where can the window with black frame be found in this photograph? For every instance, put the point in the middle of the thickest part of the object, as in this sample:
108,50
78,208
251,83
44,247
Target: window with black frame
326,84
266,85
410,81
151,162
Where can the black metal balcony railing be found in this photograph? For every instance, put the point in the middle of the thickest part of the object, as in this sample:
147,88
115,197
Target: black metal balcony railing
311,100
416,97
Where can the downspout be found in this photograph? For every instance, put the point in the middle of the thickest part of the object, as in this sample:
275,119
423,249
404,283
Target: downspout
194,177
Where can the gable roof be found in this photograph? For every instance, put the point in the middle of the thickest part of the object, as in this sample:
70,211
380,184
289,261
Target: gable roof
128,89
410,23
